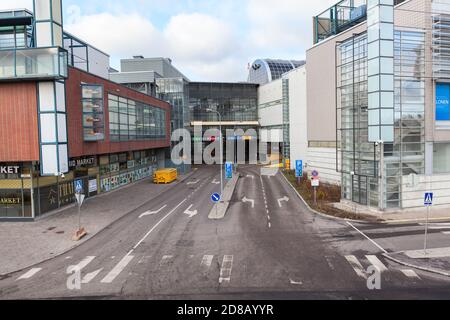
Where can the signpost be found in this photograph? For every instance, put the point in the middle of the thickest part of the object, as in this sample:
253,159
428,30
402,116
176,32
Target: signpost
215,197
81,232
428,202
315,183
299,170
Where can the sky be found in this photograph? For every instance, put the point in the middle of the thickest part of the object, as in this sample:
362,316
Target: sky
207,40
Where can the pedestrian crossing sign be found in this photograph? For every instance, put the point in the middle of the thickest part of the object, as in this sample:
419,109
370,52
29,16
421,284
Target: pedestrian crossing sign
428,199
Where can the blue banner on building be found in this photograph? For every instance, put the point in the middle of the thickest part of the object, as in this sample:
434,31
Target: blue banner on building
443,102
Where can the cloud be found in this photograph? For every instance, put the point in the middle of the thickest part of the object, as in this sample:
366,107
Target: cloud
16,4
199,44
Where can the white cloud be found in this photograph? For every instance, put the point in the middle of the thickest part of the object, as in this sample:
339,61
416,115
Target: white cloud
16,4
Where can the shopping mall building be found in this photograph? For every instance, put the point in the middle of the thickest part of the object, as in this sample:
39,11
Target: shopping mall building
386,96
62,120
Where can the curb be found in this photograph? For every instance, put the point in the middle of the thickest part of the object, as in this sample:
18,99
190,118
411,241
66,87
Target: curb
91,236
442,273
323,215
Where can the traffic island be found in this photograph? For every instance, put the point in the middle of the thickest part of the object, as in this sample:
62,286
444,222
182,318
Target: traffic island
220,209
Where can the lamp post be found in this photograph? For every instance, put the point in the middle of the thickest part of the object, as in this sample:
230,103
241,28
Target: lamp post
221,146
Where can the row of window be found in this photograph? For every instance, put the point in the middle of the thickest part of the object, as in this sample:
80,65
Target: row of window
131,120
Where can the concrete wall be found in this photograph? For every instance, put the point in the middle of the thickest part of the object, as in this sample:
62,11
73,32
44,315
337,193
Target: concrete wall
270,111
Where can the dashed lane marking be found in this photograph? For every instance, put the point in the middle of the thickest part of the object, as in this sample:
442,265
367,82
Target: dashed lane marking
225,270
357,266
377,263
29,274
410,273
117,269
207,260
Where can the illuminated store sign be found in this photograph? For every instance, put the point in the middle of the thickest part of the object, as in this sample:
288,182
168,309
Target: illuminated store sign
442,102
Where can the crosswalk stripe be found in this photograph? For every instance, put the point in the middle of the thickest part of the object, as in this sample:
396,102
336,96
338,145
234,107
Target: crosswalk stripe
410,273
225,270
207,260
90,276
29,274
81,265
446,233
117,269
377,263
357,266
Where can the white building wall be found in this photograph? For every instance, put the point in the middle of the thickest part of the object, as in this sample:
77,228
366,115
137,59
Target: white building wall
270,111
298,115
414,192
324,161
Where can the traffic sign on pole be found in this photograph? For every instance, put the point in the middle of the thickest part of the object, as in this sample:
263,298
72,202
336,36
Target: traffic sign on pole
215,197
78,186
428,199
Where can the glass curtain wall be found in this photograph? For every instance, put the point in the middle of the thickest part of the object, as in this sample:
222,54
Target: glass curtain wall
361,159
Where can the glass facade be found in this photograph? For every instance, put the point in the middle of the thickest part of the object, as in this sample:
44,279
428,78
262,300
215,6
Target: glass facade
131,120
93,117
360,165
175,92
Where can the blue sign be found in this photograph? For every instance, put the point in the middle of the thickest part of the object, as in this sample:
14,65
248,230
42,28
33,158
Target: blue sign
442,102
428,199
229,170
315,173
299,168
78,186
215,197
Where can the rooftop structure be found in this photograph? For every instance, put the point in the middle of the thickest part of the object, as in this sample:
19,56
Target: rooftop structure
264,71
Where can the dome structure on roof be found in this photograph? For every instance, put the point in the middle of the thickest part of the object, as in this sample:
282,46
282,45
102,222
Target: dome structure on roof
263,71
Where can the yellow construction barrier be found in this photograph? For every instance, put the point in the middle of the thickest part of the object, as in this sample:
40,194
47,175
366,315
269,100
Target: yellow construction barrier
165,176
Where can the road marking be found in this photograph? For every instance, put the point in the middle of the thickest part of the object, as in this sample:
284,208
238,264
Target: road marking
149,213
295,283
250,176
249,200
356,265
30,273
117,269
215,182
446,233
207,260
156,226
362,233
90,276
191,213
377,263
410,273
225,270
192,182
81,265
285,199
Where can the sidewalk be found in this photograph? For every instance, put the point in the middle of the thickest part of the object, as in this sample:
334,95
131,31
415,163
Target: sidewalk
435,261
220,209
416,215
24,244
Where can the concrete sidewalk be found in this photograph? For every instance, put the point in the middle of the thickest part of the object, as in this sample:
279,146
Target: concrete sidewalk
24,244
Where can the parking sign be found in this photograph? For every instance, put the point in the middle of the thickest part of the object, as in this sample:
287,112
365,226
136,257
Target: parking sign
299,168
229,170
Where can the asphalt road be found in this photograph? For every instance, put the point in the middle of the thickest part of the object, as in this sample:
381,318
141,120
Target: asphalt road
268,247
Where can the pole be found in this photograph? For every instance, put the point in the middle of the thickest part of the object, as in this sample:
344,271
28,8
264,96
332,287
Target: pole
381,176
426,231
315,196
221,154
79,213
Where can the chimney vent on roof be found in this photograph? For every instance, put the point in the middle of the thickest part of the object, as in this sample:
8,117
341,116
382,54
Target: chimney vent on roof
138,57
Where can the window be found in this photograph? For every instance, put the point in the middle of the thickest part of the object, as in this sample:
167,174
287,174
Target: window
93,116
131,120
440,158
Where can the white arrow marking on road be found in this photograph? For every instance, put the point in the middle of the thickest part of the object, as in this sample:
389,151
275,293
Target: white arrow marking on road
410,273
149,213
249,200
192,182
215,182
297,283
286,199
191,213
30,273
90,276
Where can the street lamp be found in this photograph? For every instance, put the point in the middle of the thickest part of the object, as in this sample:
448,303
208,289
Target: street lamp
221,146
